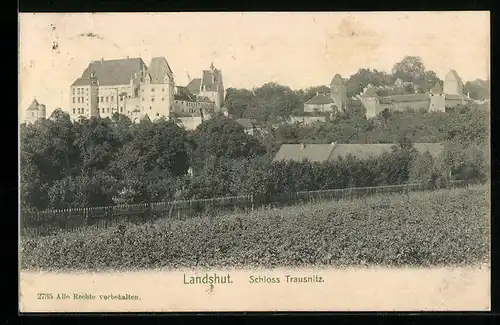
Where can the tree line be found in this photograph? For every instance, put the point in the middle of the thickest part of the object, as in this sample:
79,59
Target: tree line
107,161
271,101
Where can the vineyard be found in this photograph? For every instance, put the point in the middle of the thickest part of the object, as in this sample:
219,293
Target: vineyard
434,228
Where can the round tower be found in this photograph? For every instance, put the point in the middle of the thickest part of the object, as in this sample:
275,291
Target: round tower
338,92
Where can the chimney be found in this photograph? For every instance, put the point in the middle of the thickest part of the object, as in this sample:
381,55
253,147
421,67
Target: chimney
302,146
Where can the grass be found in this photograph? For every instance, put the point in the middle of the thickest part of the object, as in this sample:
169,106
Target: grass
436,228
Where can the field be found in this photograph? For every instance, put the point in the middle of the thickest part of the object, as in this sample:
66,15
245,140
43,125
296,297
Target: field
435,228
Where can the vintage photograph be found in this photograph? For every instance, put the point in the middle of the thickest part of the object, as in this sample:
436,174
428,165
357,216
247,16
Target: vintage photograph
254,161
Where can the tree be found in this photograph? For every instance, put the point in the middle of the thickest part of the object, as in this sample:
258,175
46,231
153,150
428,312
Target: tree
222,137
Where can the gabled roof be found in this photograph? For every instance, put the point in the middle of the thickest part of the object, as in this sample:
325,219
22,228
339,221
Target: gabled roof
324,152
320,99
184,94
112,72
361,151
158,69
337,80
311,152
194,86
453,75
404,98
33,106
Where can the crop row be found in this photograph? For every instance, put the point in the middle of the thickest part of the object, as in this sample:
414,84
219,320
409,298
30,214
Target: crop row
445,227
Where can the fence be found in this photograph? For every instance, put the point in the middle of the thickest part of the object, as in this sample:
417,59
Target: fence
45,222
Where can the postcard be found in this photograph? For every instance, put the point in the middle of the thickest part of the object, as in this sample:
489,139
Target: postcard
254,161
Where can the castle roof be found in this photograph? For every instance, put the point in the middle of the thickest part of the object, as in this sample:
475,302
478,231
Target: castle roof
33,106
404,98
183,94
320,99
112,72
158,69
337,80
453,75
194,86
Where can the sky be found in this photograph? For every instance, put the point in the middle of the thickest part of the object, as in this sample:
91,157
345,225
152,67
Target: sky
295,49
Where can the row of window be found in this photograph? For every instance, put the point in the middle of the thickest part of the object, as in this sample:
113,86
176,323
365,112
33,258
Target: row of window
80,110
152,89
80,91
109,110
104,110
79,99
153,99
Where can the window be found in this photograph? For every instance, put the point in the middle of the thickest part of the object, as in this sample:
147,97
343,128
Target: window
112,98
74,109
162,99
142,98
121,98
121,109
73,100
32,113
152,89
102,99
107,99
78,91
152,99
163,89
157,114
98,110
150,107
73,91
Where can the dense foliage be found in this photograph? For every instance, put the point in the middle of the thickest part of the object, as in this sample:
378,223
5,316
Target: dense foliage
106,161
437,228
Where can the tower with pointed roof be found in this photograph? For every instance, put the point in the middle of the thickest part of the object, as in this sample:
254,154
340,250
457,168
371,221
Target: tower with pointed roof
35,112
453,84
209,86
338,92
157,89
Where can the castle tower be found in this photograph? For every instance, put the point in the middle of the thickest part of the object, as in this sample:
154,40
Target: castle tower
338,92
35,112
453,84
438,98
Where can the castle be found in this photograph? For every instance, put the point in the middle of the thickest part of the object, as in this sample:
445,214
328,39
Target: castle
333,102
130,87
437,99
34,112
